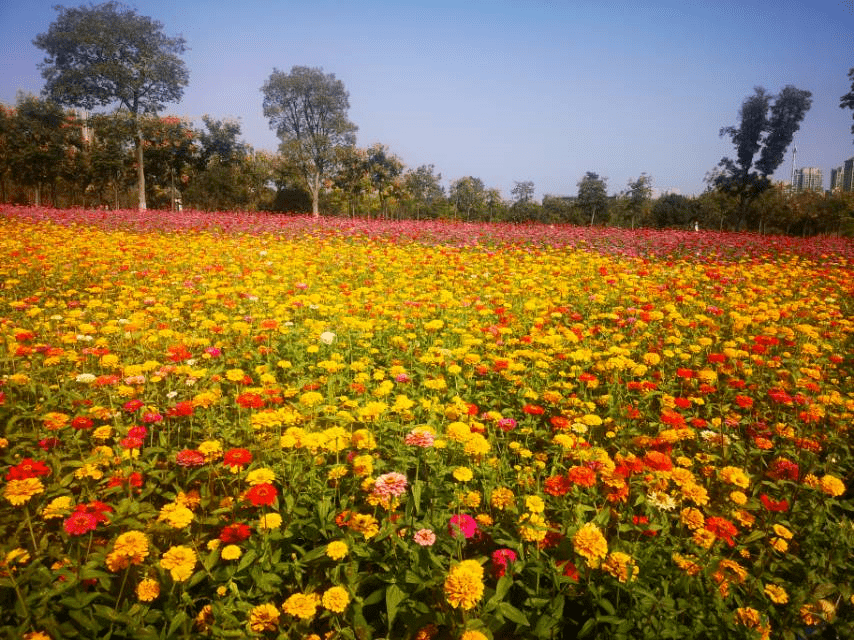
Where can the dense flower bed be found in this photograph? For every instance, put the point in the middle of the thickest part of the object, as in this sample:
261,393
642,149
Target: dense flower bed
221,425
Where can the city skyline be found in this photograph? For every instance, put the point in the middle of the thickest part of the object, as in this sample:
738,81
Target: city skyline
511,91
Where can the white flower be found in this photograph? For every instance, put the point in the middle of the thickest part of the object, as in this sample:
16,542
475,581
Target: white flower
327,337
85,378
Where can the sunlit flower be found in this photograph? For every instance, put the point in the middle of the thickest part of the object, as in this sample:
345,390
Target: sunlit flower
180,561
147,590
335,599
424,537
264,617
301,605
464,585
19,492
589,543
337,549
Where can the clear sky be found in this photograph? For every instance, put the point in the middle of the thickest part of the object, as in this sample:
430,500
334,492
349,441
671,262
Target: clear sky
510,90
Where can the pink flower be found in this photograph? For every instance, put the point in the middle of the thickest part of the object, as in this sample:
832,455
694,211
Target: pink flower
507,424
462,524
390,484
500,559
420,437
424,537
80,522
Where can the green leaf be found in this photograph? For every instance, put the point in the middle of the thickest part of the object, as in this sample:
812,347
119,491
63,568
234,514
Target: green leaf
247,559
417,488
179,619
513,614
394,595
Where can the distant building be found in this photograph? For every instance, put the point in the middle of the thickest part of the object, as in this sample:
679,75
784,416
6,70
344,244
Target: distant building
836,176
808,179
848,175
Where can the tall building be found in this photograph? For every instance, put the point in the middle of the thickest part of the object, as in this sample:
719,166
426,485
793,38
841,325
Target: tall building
848,175
808,179
836,176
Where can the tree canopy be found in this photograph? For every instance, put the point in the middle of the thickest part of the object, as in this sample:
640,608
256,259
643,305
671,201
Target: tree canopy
106,54
308,110
847,101
767,133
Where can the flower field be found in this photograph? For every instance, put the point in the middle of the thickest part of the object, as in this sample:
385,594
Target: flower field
228,426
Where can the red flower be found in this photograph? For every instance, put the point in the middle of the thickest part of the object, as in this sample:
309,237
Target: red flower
249,400
722,528
773,505
261,494
47,444
234,533
685,373
82,422
743,401
582,476
190,458
533,409
236,458
557,485
131,443
716,358
568,569
657,461
28,468
79,523
133,405
783,469
182,409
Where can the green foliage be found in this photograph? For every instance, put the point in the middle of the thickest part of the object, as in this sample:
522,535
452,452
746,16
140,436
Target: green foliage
308,110
593,197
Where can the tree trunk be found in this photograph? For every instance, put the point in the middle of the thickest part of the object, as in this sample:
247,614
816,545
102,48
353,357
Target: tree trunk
140,169
314,188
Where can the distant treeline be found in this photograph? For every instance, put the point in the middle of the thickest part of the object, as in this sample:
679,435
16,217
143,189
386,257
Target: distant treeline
55,157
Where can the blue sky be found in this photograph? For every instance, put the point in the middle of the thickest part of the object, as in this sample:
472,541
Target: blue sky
510,90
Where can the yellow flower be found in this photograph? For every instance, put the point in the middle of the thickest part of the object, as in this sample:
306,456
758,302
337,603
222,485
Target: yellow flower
501,498
235,375
263,617
776,593
260,476
832,485
535,504
337,549
19,492
532,527
131,547
180,561
336,599
211,450
782,531
147,590
231,552
36,635
692,518
589,542
464,585
301,605
621,566
734,475
473,635
462,474
176,515
58,508
269,521
747,616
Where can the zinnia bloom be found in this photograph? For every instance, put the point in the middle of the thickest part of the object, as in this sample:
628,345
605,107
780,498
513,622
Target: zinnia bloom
232,533
337,549
462,524
301,605
190,458
261,494
832,486
230,552
776,593
180,561
336,599
589,543
264,617
147,590
79,523
390,484
19,492
621,566
582,476
424,537
722,528
236,459
131,547
464,585
473,635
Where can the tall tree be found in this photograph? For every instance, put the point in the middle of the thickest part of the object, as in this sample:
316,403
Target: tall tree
384,168
39,142
847,101
308,110
638,197
468,197
523,192
593,195
424,188
109,54
768,134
